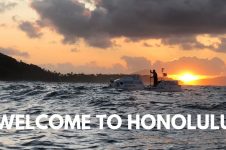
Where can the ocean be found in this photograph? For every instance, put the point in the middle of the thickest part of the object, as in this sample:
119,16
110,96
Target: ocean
37,98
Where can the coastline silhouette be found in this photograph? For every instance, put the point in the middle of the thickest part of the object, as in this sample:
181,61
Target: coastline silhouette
13,70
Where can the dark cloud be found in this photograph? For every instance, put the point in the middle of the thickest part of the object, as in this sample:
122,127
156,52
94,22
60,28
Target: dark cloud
14,52
6,6
186,43
151,45
100,40
134,19
30,29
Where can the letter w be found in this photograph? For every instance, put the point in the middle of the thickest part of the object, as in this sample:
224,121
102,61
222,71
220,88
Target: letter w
7,123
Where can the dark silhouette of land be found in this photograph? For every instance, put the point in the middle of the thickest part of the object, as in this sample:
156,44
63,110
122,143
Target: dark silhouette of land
13,70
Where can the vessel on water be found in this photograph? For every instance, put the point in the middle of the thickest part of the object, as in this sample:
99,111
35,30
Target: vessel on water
166,86
134,82
128,83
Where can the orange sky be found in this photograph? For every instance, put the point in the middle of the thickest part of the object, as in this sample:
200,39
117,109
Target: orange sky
48,50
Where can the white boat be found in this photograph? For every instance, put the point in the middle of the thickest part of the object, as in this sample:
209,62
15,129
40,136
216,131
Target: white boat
135,83
128,83
166,86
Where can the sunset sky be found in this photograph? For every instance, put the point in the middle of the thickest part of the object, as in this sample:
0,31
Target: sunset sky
117,36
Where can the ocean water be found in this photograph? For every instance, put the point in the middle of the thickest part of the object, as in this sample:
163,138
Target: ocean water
37,98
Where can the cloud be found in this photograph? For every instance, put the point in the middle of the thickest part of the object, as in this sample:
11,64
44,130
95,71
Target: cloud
3,25
222,46
191,43
15,18
136,63
89,68
211,67
75,50
145,44
133,64
14,52
133,19
100,40
141,65
187,43
6,6
30,29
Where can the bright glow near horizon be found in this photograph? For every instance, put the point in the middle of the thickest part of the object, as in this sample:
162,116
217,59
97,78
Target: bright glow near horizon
188,78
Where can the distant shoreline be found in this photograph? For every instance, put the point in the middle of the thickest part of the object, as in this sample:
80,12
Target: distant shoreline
13,70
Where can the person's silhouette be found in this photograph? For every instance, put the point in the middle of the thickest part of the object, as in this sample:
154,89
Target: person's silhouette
155,77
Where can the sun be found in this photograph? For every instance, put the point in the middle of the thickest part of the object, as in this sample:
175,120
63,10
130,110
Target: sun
187,78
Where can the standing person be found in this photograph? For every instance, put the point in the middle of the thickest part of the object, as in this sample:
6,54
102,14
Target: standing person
155,77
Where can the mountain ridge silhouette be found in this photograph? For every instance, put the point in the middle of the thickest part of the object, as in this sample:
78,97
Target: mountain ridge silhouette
13,70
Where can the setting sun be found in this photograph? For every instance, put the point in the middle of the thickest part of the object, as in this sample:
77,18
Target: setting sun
187,78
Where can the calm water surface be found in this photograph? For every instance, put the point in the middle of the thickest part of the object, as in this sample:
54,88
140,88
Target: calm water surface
37,98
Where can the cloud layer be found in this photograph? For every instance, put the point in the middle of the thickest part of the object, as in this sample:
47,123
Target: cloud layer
141,65
89,68
136,63
133,19
133,64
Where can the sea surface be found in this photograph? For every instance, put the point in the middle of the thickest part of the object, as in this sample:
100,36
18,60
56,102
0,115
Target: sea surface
37,98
